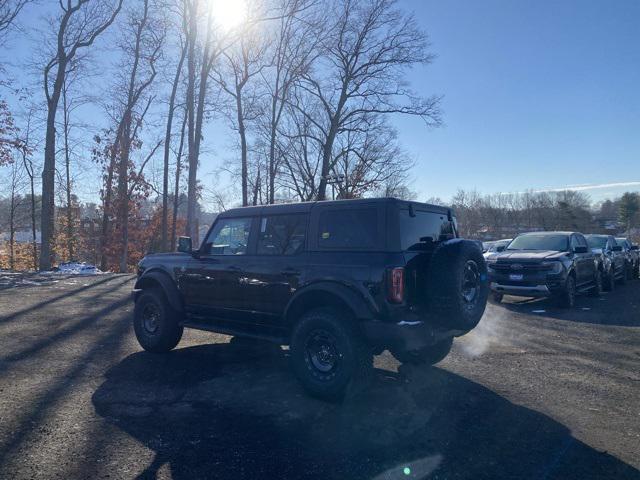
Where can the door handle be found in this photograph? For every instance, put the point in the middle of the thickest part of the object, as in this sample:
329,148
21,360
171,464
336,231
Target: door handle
290,271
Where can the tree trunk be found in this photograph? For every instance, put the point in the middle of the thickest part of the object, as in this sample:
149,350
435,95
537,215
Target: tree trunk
167,145
191,127
243,147
176,191
48,176
67,162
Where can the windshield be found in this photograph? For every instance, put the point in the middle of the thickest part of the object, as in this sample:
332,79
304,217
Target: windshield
540,242
496,245
597,242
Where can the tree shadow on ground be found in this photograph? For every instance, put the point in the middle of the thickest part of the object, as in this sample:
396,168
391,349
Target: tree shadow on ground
234,411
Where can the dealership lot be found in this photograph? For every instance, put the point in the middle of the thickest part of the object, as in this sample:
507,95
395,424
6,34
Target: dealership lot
533,392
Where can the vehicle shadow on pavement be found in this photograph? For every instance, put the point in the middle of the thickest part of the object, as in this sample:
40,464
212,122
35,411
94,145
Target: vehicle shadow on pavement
234,410
615,308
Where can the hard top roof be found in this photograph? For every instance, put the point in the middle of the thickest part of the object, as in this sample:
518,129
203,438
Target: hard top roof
303,207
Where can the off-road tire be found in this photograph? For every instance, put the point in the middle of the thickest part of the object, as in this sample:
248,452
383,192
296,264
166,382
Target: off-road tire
348,360
425,356
164,332
450,272
596,290
566,298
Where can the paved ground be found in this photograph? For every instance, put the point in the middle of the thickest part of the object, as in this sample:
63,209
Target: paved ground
541,395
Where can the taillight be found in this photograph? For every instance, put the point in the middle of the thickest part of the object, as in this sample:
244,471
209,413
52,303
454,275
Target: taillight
395,292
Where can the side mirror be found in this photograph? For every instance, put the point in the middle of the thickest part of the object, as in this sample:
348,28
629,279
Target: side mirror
184,244
634,247
617,248
580,249
501,248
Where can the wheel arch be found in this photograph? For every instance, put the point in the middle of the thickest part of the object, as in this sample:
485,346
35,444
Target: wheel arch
159,279
327,294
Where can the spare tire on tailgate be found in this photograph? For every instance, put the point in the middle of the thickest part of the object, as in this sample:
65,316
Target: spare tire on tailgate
457,285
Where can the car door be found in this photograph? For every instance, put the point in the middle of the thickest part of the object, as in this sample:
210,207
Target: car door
213,280
586,260
617,256
277,268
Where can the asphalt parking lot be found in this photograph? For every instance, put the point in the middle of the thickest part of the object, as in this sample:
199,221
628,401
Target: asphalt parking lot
534,392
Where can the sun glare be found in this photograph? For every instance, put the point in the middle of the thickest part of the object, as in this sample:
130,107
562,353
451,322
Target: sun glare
229,13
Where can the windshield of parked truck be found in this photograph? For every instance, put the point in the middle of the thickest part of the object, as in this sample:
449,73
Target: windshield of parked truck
597,242
557,243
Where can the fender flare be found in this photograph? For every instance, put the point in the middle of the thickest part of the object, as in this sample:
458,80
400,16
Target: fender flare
164,280
362,309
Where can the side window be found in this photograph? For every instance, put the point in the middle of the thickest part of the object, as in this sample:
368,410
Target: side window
229,236
282,234
574,242
353,228
582,241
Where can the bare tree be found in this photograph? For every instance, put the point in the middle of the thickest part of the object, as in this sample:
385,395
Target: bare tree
361,71
78,26
143,48
26,151
295,38
168,134
9,11
239,65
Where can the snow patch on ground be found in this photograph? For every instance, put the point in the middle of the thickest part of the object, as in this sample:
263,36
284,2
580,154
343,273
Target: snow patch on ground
77,268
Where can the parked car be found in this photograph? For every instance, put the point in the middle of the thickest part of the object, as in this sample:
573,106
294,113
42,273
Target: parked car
336,281
611,258
497,247
633,257
545,264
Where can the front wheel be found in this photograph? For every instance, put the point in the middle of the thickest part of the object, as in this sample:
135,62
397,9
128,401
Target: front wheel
610,281
427,355
596,290
567,297
329,355
155,322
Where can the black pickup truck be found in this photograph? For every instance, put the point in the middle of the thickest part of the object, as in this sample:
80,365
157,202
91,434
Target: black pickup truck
336,281
545,264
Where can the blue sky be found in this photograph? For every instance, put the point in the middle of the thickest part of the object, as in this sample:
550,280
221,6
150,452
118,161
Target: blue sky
537,95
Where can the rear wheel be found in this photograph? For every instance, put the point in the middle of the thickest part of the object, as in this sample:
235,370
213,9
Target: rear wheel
427,355
329,355
567,297
155,322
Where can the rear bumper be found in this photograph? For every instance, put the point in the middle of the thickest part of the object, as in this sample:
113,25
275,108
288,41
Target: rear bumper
405,334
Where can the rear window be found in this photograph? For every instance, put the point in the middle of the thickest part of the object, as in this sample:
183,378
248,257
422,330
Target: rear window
423,224
355,228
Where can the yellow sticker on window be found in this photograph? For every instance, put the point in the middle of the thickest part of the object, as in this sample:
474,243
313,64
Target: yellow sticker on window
325,235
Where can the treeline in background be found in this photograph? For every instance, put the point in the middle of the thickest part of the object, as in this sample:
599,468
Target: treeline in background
119,101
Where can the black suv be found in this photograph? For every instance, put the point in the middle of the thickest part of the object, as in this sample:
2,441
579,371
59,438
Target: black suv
545,264
337,281
633,257
611,258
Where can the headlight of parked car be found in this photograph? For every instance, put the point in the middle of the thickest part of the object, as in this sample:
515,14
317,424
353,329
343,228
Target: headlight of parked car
554,267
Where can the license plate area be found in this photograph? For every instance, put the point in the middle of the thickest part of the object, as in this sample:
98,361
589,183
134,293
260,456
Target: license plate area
516,276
